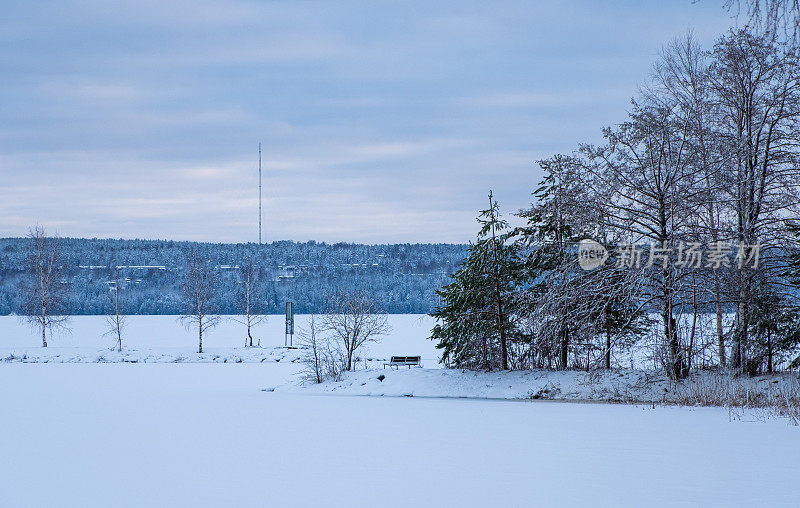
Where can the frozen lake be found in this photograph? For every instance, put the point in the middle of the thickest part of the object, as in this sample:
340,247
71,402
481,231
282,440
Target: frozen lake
409,335
206,435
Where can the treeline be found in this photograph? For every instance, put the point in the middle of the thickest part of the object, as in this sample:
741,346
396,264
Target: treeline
401,277
691,205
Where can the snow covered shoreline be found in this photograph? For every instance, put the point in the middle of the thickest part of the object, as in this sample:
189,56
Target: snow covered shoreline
621,386
162,340
155,355
626,386
453,383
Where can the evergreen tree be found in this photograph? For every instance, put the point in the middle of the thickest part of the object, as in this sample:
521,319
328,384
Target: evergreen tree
569,308
475,316
558,219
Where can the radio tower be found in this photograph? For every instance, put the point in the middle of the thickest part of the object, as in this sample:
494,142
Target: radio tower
259,193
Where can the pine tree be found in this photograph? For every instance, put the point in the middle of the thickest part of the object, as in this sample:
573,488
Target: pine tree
560,216
475,316
568,307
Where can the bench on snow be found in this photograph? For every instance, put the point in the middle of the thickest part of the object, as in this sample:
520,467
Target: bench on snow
398,361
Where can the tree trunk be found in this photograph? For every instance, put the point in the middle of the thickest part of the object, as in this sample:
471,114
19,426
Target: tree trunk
116,314
769,351
200,336
44,324
674,361
564,349
500,318
499,295
249,320
674,369
720,336
742,335
608,347
690,349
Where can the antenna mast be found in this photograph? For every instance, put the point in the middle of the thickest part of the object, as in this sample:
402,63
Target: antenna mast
259,193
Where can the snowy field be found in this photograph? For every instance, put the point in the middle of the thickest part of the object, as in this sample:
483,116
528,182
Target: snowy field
165,339
208,434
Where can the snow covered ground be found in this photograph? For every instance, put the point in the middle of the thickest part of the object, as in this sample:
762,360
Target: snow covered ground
206,433
165,339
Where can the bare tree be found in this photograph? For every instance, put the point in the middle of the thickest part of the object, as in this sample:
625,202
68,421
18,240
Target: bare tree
652,195
756,83
249,303
313,357
116,320
681,78
200,285
778,19
321,358
45,295
354,319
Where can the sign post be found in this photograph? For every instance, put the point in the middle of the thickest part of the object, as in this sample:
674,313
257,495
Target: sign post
287,338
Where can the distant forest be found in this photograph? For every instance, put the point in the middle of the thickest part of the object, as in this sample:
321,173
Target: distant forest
403,277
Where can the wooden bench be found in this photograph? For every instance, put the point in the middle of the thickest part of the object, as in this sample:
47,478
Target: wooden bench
399,361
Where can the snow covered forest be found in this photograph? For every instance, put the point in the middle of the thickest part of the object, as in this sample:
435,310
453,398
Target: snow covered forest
402,277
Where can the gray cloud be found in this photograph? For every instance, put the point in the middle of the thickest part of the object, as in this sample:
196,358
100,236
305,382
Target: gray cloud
380,121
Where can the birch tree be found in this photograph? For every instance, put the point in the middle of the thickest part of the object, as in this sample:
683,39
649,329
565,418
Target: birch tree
778,19
322,358
563,214
45,293
200,285
116,319
250,299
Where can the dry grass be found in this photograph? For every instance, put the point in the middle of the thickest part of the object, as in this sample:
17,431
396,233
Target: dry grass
779,395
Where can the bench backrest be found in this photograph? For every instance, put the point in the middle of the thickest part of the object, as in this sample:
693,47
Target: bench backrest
405,359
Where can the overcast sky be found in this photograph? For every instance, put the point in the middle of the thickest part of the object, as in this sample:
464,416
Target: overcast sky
380,121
